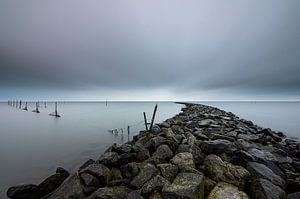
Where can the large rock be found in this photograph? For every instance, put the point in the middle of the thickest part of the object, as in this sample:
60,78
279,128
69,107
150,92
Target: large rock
130,170
156,183
293,196
258,170
221,171
264,189
185,185
89,180
264,155
242,158
194,150
226,191
53,182
118,192
71,188
163,153
184,161
28,191
218,146
168,171
109,159
100,171
146,173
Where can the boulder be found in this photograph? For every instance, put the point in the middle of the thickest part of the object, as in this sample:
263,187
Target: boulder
121,148
53,182
207,123
116,174
184,161
130,170
155,142
136,194
28,191
209,184
269,132
258,170
146,173
242,158
142,155
87,163
89,180
118,192
264,189
185,185
221,171
218,146
100,171
226,191
110,159
155,195
163,153
293,196
70,188
194,150
155,129
293,185
168,171
126,158
156,183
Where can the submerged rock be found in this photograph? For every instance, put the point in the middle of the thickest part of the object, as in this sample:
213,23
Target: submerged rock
185,185
226,191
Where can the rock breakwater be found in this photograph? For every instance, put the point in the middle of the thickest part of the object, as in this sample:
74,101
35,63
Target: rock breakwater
203,152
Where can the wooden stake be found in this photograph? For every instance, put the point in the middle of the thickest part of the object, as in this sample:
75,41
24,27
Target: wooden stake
145,119
153,116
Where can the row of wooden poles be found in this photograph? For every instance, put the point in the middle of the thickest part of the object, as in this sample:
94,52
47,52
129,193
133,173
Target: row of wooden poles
19,103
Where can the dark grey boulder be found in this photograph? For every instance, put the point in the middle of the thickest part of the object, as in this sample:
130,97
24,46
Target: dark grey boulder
118,192
145,174
163,153
110,159
218,146
89,180
168,171
53,182
194,150
242,158
293,185
71,188
28,191
156,183
136,194
264,189
130,170
155,129
121,148
258,170
100,171
225,191
142,154
293,196
184,161
185,185
87,163
126,158
155,142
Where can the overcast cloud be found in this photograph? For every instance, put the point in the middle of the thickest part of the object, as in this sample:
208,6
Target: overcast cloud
137,49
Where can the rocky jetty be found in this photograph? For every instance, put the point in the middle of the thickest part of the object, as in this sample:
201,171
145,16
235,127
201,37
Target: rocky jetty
203,152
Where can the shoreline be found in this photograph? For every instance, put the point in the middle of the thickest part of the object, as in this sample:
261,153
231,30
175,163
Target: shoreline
202,152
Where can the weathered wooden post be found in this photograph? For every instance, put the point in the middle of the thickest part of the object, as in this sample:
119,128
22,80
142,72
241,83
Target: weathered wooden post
153,117
20,105
128,130
25,108
145,120
36,108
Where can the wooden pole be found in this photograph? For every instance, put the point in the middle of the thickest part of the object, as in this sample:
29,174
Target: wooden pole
153,116
145,119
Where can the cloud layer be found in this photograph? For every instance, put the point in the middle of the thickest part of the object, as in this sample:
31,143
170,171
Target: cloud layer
176,46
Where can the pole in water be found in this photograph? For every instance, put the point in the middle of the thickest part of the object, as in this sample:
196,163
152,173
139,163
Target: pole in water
128,130
45,104
55,114
20,105
25,108
106,102
153,116
36,108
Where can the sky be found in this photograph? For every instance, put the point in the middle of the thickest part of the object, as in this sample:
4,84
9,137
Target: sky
150,50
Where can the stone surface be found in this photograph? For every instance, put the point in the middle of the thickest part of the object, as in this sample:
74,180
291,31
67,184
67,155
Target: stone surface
100,171
262,188
53,182
130,170
168,171
221,171
184,161
217,146
258,170
89,180
119,192
185,185
293,196
146,173
156,183
163,154
70,188
28,191
109,159
226,191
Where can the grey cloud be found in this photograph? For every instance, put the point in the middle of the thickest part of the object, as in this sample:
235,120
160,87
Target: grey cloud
180,45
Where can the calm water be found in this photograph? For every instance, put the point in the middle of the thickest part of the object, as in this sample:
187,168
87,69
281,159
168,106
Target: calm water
33,145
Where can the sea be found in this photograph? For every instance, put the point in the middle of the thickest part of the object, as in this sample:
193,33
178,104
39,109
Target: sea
33,145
